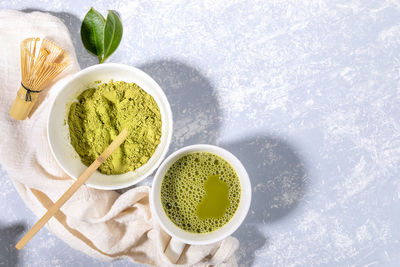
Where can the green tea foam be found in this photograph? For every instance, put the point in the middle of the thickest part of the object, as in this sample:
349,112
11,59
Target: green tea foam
200,192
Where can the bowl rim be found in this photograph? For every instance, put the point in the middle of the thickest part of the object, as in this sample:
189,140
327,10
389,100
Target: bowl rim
169,121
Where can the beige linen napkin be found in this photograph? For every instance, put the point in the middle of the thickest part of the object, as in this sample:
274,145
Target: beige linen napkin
103,224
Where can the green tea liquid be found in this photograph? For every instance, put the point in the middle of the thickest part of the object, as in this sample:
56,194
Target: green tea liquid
200,192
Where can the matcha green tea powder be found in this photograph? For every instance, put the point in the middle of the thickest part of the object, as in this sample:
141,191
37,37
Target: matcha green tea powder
101,113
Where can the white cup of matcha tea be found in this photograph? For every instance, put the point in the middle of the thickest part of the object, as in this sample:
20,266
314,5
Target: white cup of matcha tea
200,195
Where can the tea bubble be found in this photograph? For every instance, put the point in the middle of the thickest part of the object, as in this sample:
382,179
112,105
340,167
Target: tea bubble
183,190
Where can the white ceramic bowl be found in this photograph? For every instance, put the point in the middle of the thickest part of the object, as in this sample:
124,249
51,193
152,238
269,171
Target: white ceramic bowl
58,132
194,238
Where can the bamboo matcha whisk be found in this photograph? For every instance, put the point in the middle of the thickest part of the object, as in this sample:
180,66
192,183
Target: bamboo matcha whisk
39,66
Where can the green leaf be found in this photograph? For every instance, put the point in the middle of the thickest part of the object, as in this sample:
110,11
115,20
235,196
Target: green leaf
92,33
112,34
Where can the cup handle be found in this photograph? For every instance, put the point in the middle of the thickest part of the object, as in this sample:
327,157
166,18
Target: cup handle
174,249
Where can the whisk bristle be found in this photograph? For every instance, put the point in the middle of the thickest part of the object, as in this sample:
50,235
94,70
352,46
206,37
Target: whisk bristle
41,62
40,66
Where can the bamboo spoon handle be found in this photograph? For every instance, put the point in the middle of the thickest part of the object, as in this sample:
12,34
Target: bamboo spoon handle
81,180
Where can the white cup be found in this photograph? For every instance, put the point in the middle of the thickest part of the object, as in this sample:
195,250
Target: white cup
181,237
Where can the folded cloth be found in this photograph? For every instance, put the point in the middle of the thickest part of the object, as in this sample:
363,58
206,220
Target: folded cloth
103,224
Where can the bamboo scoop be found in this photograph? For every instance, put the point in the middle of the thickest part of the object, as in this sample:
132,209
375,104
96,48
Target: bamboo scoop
67,195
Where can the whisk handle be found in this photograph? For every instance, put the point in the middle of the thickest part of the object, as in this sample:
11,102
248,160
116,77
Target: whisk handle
21,108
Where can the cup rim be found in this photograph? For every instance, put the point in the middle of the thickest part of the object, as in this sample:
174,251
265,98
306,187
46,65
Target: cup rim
164,99
232,225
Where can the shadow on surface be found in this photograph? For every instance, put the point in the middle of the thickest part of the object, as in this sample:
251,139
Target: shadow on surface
194,106
9,236
192,98
73,23
278,178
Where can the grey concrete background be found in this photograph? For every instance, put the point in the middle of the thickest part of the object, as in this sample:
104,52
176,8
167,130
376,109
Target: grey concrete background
305,93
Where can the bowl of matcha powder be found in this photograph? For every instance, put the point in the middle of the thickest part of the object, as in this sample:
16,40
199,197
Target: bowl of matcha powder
93,107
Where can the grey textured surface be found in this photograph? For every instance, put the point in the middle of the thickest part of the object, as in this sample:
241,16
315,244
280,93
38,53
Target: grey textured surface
305,93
